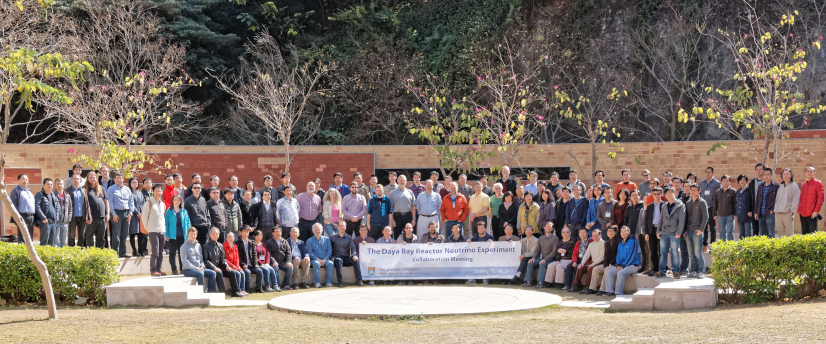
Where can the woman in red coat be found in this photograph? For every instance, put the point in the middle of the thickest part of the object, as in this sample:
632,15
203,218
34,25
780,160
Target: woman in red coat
231,251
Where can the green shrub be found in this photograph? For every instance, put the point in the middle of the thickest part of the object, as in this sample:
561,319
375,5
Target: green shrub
75,272
759,269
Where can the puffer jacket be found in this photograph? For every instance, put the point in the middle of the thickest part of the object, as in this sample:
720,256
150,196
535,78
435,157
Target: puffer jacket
234,218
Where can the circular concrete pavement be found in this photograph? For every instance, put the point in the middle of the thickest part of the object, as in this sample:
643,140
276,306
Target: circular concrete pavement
411,301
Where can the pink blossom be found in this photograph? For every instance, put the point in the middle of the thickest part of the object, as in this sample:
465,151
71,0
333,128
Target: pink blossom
791,35
678,103
541,117
71,150
821,37
478,78
556,86
504,72
725,110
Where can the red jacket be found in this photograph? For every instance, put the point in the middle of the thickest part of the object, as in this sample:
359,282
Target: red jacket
576,251
811,198
262,252
168,193
232,255
451,213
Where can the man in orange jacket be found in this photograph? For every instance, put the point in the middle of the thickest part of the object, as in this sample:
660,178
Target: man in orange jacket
455,209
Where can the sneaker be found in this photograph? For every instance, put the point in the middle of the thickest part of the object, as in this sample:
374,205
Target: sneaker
259,291
328,285
705,248
609,294
691,275
542,285
237,295
653,273
573,289
359,283
676,275
318,285
303,285
340,285
277,289
700,276
175,272
600,293
562,287
288,287
269,290
526,284
372,283
587,291
294,287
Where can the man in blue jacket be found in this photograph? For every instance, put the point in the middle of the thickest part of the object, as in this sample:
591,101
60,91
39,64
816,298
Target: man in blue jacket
577,210
301,259
378,212
47,208
320,250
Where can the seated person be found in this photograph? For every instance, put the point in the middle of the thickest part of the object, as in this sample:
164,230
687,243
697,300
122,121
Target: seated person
300,259
281,253
215,259
609,262
545,255
265,262
345,254
565,251
363,238
582,244
456,234
192,263
529,246
509,236
432,235
628,263
247,259
480,236
231,251
596,254
320,250
408,237
387,238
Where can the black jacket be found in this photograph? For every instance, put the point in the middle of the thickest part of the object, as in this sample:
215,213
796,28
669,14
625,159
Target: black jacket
559,222
250,252
611,246
509,185
214,256
509,215
246,216
632,217
648,226
255,213
280,251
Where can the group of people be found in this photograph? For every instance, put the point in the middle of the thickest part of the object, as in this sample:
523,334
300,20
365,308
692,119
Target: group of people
578,237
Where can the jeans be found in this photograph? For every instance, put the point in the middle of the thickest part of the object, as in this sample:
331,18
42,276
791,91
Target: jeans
330,230
328,265
543,268
236,279
60,234
612,275
119,231
28,220
156,241
94,233
288,273
669,244
808,225
449,226
244,283
766,225
523,267
47,233
200,275
77,226
726,225
745,229
712,226
270,276
175,249
695,252
259,278
338,262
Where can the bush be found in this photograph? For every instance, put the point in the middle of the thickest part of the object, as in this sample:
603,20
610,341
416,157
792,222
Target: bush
75,272
759,269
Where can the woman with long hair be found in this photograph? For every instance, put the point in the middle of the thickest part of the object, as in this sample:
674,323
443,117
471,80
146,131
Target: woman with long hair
250,186
528,214
508,213
98,212
135,226
623,199
547,211
331,211
177,224
595,194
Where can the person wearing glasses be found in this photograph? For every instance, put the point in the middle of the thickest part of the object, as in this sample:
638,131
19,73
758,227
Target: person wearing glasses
196,207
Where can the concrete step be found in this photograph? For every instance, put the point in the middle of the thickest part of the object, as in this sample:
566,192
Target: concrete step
643,299
622,302
685,294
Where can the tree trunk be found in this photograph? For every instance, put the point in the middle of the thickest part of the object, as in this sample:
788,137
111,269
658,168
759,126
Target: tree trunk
286,157
766,149
593,163
41,267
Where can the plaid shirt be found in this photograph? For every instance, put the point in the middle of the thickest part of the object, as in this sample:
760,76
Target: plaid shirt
416,189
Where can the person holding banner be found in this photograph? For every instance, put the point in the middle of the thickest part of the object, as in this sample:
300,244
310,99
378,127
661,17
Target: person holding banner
457,236
509,235
345,253
320,250
481,236
556,270
544,255
408,237
387,238
529,247
432,235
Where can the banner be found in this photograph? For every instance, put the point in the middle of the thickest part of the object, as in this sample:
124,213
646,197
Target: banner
496,259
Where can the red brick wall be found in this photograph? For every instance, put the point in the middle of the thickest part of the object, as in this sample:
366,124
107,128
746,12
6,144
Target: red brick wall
35,175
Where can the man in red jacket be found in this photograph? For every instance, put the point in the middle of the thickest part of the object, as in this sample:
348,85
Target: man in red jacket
811,200
169,190
455,209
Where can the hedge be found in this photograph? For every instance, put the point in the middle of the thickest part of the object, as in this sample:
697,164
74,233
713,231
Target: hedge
75,273
758,269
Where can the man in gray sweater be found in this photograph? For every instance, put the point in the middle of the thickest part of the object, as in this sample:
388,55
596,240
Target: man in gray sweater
669,229
696,219
545,254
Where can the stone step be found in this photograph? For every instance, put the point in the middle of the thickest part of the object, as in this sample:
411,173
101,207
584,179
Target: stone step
622,302
643,299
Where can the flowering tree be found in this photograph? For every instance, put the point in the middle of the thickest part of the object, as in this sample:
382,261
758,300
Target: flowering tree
764,94
449,127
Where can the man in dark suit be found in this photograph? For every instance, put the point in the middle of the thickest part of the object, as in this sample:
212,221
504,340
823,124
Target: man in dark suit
508,182
758,172
247,259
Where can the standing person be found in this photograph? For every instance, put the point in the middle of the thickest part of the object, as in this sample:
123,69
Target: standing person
764,207
355,206
235,219
248,260
179,184
786,203
135,231
633,217
650,224
286,212
177,224
547,210
626,182
268,187
654,183
97,214
724,208
577,210
495,203
533,182
434,178
339,186
215,259
146,188
255,197
47,208
528,214
708,191
345,254
544,255
79,211
753,185
464,189
628,263
237,191
373,182
320,251
403,203
77,169
508,213
645,187
595,207
196,207
696,217
217,212
508,183
599,177
529,247
310,207
378,212
479,205
485,188
169,190
426,206
214,182
245,206
265,263
193,262
234,264
811,200
104,178
669,229
285,184
519,195
65,215
362,189
561,211
666,182
743,216
332,212
300,259
153,218
618,217
196,179
553,185
392,186
454,207
446,189
120,201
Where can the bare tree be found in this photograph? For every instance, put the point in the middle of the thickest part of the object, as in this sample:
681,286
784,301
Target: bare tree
810,26
281,94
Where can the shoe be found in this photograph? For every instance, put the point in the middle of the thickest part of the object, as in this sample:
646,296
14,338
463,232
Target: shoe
676,275
660,274
244,293
318,285
526,284
609,294
235,294
705,248
163,273
359,283
484,281
372,283
573,289
123,256
646,272
653,273
259,291
506,282
175,272
277,289
700,276
329,285
600,293
294,287
136,255
287,288
691,275
587,291
562,287
156,274
402,283
303,285
267,290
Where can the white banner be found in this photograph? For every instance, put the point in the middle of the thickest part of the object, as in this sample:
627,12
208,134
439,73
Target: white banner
497,259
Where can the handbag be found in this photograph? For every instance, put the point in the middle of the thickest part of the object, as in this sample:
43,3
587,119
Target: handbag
143,229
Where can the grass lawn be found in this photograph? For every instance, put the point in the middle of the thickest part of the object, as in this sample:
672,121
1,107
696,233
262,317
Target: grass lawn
799,322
